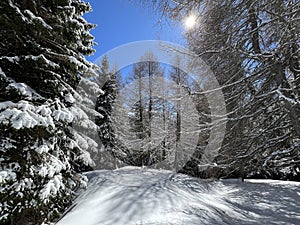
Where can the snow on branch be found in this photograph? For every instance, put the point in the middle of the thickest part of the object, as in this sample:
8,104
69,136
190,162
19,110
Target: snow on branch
24,115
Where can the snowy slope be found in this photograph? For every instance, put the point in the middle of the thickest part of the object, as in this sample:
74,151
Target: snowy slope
131,196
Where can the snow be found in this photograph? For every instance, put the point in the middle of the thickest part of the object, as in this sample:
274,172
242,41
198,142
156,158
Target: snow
82,142
41,57
86,158
23,119
69,98
23,184
6,175
38,19
78,113
23,115
63,115
22,88
93,145
7,104
290,100
142,196
52,187
8,144
77,63
44,110
42,148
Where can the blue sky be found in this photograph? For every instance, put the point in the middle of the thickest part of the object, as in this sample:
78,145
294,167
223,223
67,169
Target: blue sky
121,21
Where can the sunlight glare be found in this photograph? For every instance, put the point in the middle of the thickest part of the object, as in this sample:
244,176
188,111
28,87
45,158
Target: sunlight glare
190,21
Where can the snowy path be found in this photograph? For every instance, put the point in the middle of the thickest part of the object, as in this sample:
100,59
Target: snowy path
133,196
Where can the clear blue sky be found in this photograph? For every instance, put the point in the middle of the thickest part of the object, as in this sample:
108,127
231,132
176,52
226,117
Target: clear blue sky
121,21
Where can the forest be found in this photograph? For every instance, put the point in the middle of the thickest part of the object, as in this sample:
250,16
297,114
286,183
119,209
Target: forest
62,116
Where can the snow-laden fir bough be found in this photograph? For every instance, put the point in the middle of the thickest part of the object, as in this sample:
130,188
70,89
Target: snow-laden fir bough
43,44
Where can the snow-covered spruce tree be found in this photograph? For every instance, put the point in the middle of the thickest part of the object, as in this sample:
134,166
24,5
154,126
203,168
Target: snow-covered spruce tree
41,63
130,146
107,158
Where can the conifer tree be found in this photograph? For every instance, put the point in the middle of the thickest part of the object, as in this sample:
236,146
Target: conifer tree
42,50
104,105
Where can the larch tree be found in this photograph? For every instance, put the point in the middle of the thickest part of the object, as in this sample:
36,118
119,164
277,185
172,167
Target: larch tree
42,50
185,85
179,78
253,49
143,111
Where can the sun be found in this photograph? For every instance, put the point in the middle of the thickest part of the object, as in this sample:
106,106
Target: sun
190,22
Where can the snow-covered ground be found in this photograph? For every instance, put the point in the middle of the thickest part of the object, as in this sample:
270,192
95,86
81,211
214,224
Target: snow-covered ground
136,196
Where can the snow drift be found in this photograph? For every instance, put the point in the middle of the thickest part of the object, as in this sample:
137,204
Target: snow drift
131,196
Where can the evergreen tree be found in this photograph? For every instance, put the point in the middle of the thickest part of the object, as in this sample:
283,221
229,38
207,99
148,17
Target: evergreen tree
41,64
104,105
133,145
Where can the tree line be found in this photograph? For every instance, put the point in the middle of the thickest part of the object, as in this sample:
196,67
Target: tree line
253,49
48,134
